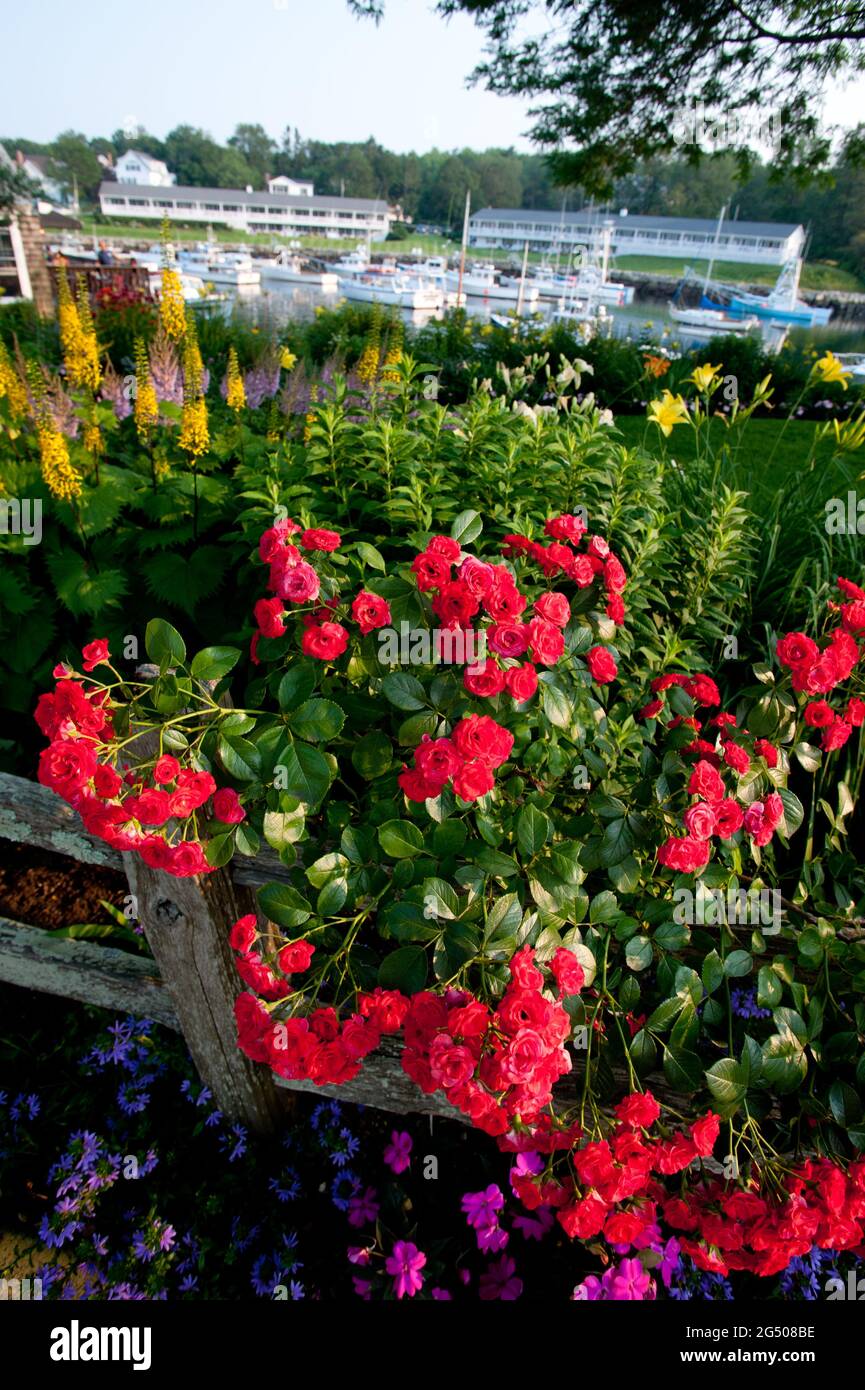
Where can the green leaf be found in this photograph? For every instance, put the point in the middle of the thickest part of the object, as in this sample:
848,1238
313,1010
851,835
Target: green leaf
728,1083
533,830
503,917
332,897
604,907
317,720
212,663
467,527
164,644
638,953
440,899
239,757
220,848
371,556
712,972
737,964
683,1069
769,988
404,691
794,812
643,1051
404,969
306,773
372,755
616,843
296,686
283,828
283,905
400,839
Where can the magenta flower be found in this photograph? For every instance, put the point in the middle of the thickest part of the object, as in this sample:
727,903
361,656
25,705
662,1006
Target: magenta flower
404,1265
629,1282
441,1295
359,1254
481,1208
499,1281
535,1226
362,1209
491,1238
397,1155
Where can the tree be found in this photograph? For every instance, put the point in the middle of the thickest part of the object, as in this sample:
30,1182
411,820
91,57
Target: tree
198,160
617,81
75,162
254,144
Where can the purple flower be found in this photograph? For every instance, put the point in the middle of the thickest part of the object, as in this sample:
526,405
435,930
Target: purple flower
363,1210
404,1266
535,1227
499,1281
481,1208
397,1155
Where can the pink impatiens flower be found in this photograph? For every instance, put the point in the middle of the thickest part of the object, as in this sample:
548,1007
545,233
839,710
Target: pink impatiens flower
397,1155
405,1265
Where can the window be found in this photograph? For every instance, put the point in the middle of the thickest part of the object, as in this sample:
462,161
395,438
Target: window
261,210
184,205
230,207
117,202
211,207
139,202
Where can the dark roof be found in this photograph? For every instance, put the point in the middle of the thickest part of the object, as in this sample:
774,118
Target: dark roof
242,198
671,224
60,221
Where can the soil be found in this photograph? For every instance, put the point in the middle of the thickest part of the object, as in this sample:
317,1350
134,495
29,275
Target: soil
47,890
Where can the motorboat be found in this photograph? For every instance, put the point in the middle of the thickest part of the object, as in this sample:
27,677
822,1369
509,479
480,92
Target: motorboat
219,267
287,266
782,304
399,290
481,282
712,320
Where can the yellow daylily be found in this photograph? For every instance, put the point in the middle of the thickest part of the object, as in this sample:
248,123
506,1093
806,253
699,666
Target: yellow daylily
287,359
829,369
670,410
703,377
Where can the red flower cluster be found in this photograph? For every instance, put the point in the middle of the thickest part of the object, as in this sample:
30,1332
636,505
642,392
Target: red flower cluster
124,806
293,580
477,590
716,812
495,1066
818,672
466,760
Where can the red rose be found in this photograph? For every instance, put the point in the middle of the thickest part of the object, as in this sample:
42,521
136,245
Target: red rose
567,527
455,603
836,735
295,957
186,859
437,760
508,639
855,712
504,602
521,682
477,576
615,578
728,817
703,690
324,641
415,786
615,610
479,737
321,540
370,611
546,642
165,769
473,781
766,750
106,781
705,781
567,971
700,820
445,546
431,570
300,584
705,1133
554,608
66,766
853,615
818,714
484,679
268,614
152,807
736,757
602,665
95,653
684,855
639,1110
227,807
796,649
850,589
243,933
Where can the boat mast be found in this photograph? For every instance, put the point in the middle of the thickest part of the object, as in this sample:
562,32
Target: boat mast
522,288
715,249
464,245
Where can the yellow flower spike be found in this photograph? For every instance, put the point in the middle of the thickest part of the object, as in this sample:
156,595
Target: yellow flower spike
11,386
670,410
235,394
62,480
704,377
194,429
829,369
172,309
146,404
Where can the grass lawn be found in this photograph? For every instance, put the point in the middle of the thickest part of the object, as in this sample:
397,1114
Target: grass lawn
815,276
765,452
149,231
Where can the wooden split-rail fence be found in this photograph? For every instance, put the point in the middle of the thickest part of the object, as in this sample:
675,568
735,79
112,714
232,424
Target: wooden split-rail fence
191,982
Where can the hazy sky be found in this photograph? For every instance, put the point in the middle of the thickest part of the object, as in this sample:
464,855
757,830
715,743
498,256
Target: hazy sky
96,66
213,63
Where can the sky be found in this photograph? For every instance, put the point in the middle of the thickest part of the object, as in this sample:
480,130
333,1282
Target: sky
97,66
214,63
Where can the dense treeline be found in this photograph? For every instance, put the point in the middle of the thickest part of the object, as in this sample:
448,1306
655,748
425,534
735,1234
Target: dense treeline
431,187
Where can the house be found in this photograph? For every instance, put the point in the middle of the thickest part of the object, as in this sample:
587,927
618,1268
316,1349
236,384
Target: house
281,183
133,166
246,210
761,243
39,170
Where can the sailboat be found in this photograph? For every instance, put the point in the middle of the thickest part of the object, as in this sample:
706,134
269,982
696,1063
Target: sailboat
782,304
709,316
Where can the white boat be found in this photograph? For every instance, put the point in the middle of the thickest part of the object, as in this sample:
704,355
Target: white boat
479,282
399,290
587,282
433,268
853,362
712,320
219,267
285,266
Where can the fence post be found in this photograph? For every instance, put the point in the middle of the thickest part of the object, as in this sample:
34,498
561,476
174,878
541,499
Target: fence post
186,922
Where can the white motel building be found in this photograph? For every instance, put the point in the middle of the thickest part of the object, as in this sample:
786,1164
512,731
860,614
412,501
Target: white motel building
770,243
288,207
